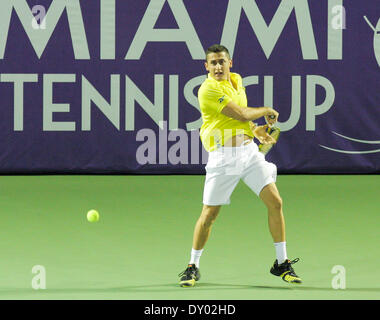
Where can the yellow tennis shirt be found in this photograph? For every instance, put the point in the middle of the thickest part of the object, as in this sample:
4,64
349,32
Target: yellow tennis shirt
213,96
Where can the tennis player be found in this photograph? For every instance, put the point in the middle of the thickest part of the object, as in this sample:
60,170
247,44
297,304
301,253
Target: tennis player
228,135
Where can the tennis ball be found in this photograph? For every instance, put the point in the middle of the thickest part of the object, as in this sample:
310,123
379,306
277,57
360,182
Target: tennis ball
93,215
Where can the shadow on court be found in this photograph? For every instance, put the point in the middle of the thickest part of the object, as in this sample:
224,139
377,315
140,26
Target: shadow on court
170,287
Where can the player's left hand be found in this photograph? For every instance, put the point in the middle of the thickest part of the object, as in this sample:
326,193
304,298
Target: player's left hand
262,135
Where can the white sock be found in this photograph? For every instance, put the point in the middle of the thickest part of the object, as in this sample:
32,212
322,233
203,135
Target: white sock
195,256
280,251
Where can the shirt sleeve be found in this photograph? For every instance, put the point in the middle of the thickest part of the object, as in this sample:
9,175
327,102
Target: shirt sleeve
213,99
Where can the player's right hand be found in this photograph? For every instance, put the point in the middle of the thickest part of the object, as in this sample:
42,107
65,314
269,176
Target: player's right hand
260,132
271,116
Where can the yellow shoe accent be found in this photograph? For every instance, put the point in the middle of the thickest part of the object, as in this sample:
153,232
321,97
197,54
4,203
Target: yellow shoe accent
289,278
187,283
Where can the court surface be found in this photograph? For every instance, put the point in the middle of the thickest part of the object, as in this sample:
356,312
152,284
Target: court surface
143,239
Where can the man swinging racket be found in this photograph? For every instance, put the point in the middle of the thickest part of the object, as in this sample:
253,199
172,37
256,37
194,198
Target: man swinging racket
227,133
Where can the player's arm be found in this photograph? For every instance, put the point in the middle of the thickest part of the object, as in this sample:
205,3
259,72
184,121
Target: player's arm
233,110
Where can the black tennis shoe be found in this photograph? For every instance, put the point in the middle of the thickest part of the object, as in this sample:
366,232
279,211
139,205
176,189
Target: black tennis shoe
286,271
189,276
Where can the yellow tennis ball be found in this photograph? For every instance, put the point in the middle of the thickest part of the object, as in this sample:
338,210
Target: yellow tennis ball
93,215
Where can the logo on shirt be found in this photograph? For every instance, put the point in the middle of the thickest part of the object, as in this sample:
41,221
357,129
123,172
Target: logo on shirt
221,99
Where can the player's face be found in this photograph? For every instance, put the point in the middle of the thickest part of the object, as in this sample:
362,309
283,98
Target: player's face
218,65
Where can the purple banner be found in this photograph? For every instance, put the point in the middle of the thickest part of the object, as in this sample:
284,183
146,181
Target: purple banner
110,86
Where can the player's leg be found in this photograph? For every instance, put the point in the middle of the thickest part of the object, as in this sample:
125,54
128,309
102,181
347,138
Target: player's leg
260,177
203,226
272,200
282,266
201,234
219,185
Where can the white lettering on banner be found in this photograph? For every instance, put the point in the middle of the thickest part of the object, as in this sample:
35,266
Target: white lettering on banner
267,35
137,103
313,110
133,93
295,113
173,101
107,29
40,37
18,81
376,42
376,38
192,99
337,19
146,31
50,107
110,110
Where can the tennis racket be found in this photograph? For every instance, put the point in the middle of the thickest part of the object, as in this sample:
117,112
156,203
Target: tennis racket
274,132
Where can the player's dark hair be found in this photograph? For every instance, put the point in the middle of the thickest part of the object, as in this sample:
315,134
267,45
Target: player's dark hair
216,48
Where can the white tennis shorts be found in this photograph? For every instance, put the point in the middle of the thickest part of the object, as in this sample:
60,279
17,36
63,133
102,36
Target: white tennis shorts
227,165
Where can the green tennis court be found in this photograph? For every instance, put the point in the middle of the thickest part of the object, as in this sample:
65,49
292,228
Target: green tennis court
144,236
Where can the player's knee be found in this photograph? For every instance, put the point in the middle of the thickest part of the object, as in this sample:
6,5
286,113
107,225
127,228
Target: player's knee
275,203
209,215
